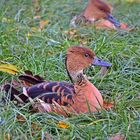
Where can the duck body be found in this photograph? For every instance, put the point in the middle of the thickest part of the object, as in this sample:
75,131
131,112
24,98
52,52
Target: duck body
83,97
87,97
80,96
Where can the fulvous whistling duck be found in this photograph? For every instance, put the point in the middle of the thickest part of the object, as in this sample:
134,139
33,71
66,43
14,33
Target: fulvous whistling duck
80,96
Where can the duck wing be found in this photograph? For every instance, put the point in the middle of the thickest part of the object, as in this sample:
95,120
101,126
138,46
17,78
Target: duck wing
60,92
29,79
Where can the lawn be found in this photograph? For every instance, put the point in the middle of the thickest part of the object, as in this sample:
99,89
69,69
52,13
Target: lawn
42,50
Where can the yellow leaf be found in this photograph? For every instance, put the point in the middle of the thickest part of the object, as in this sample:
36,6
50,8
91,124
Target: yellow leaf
34,29
29,34
71,32
7,20
9,68
62,124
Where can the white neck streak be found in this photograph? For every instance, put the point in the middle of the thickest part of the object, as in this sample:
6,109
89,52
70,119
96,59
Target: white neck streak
74,75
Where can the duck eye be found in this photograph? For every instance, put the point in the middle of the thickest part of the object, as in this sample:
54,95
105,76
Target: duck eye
104,9
87,55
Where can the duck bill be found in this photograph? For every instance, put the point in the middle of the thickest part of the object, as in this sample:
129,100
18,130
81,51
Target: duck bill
113,20
99,62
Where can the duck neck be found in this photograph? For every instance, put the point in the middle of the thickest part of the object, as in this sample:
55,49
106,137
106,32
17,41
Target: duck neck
77,76
81,79
74,68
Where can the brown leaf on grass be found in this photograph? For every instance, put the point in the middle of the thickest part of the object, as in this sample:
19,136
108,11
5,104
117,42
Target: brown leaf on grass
107,105
70,32
62,124
77,36
117,136
36,126
7,136
9,68
34,29
20,118
36,6
43,23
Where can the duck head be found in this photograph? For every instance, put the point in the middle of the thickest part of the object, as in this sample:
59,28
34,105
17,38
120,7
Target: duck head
79,58
97,9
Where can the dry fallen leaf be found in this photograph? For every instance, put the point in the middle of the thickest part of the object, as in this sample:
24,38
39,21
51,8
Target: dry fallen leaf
43,23
71,32
108,105
36,126
34,29
36,6
117,136
7,136
20,118
62,124
9,68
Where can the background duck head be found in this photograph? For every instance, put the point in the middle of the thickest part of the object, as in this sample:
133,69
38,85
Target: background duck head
97,9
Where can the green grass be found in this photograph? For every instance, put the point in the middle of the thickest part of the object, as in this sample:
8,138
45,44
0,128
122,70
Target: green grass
43,53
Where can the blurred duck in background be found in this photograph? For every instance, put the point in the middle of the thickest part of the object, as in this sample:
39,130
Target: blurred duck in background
99,13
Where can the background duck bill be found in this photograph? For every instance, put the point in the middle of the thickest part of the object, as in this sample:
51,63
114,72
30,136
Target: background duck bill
99,62
113,20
